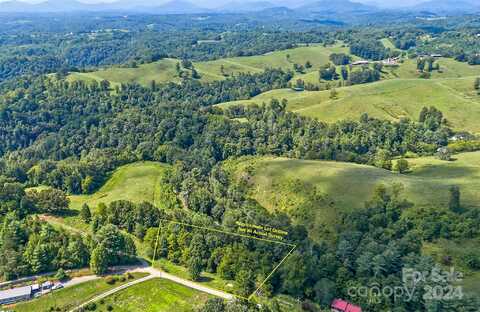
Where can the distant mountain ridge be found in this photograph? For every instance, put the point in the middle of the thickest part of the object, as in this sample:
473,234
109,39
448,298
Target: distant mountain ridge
170,7
235,6
242,6
338,6
449,6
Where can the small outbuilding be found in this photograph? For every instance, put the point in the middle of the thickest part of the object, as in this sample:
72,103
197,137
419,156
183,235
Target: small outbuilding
360,63
339,305
15,294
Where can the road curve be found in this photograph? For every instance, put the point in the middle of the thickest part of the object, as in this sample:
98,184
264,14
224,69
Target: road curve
154,273
112,291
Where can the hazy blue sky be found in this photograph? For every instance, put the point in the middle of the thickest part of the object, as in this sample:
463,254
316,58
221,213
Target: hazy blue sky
212,3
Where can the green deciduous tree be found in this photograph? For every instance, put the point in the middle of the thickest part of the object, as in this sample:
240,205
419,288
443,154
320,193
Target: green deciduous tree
50,200
99,260
402,166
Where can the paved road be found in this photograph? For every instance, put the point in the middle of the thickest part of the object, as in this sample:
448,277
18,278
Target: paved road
154,273
79,280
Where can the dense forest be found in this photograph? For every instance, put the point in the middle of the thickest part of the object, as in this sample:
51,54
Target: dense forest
75,134
68,136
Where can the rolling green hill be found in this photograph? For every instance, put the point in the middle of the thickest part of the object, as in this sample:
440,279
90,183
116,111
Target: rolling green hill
135,182
388,99
387,43
287,184
449,68
164,70
161,71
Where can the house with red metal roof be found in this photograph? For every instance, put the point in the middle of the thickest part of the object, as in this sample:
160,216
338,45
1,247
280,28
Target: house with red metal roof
339,305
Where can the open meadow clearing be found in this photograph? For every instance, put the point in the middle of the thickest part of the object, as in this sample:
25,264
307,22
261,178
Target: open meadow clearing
388,99
136,182
317,190
164,71
156,295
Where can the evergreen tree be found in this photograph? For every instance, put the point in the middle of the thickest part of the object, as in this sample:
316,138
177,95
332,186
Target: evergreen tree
195,268
245,282
85,213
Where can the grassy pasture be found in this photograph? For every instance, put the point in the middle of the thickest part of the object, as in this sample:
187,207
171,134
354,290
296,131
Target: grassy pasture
156,295
161,71
388,44
135,182
277,183
164,70
449,68
388,99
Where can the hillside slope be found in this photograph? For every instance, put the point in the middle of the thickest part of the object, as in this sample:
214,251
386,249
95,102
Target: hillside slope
389,99
135,182
295,186
164,71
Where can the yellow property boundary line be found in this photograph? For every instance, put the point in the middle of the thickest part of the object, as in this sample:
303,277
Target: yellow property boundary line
293,247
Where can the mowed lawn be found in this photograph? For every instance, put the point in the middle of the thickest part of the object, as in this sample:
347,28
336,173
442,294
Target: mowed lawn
349,185
164,71
156,295
388,99
68,298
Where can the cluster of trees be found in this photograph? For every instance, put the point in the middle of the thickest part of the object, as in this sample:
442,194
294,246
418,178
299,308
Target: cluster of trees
328,72
127,216
471,59
365,74
432,118
351,75
97,131
29,246
55,48
299,68
406,41
369,49
188,65
340,58
111,247
457,41
14,199
427,64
